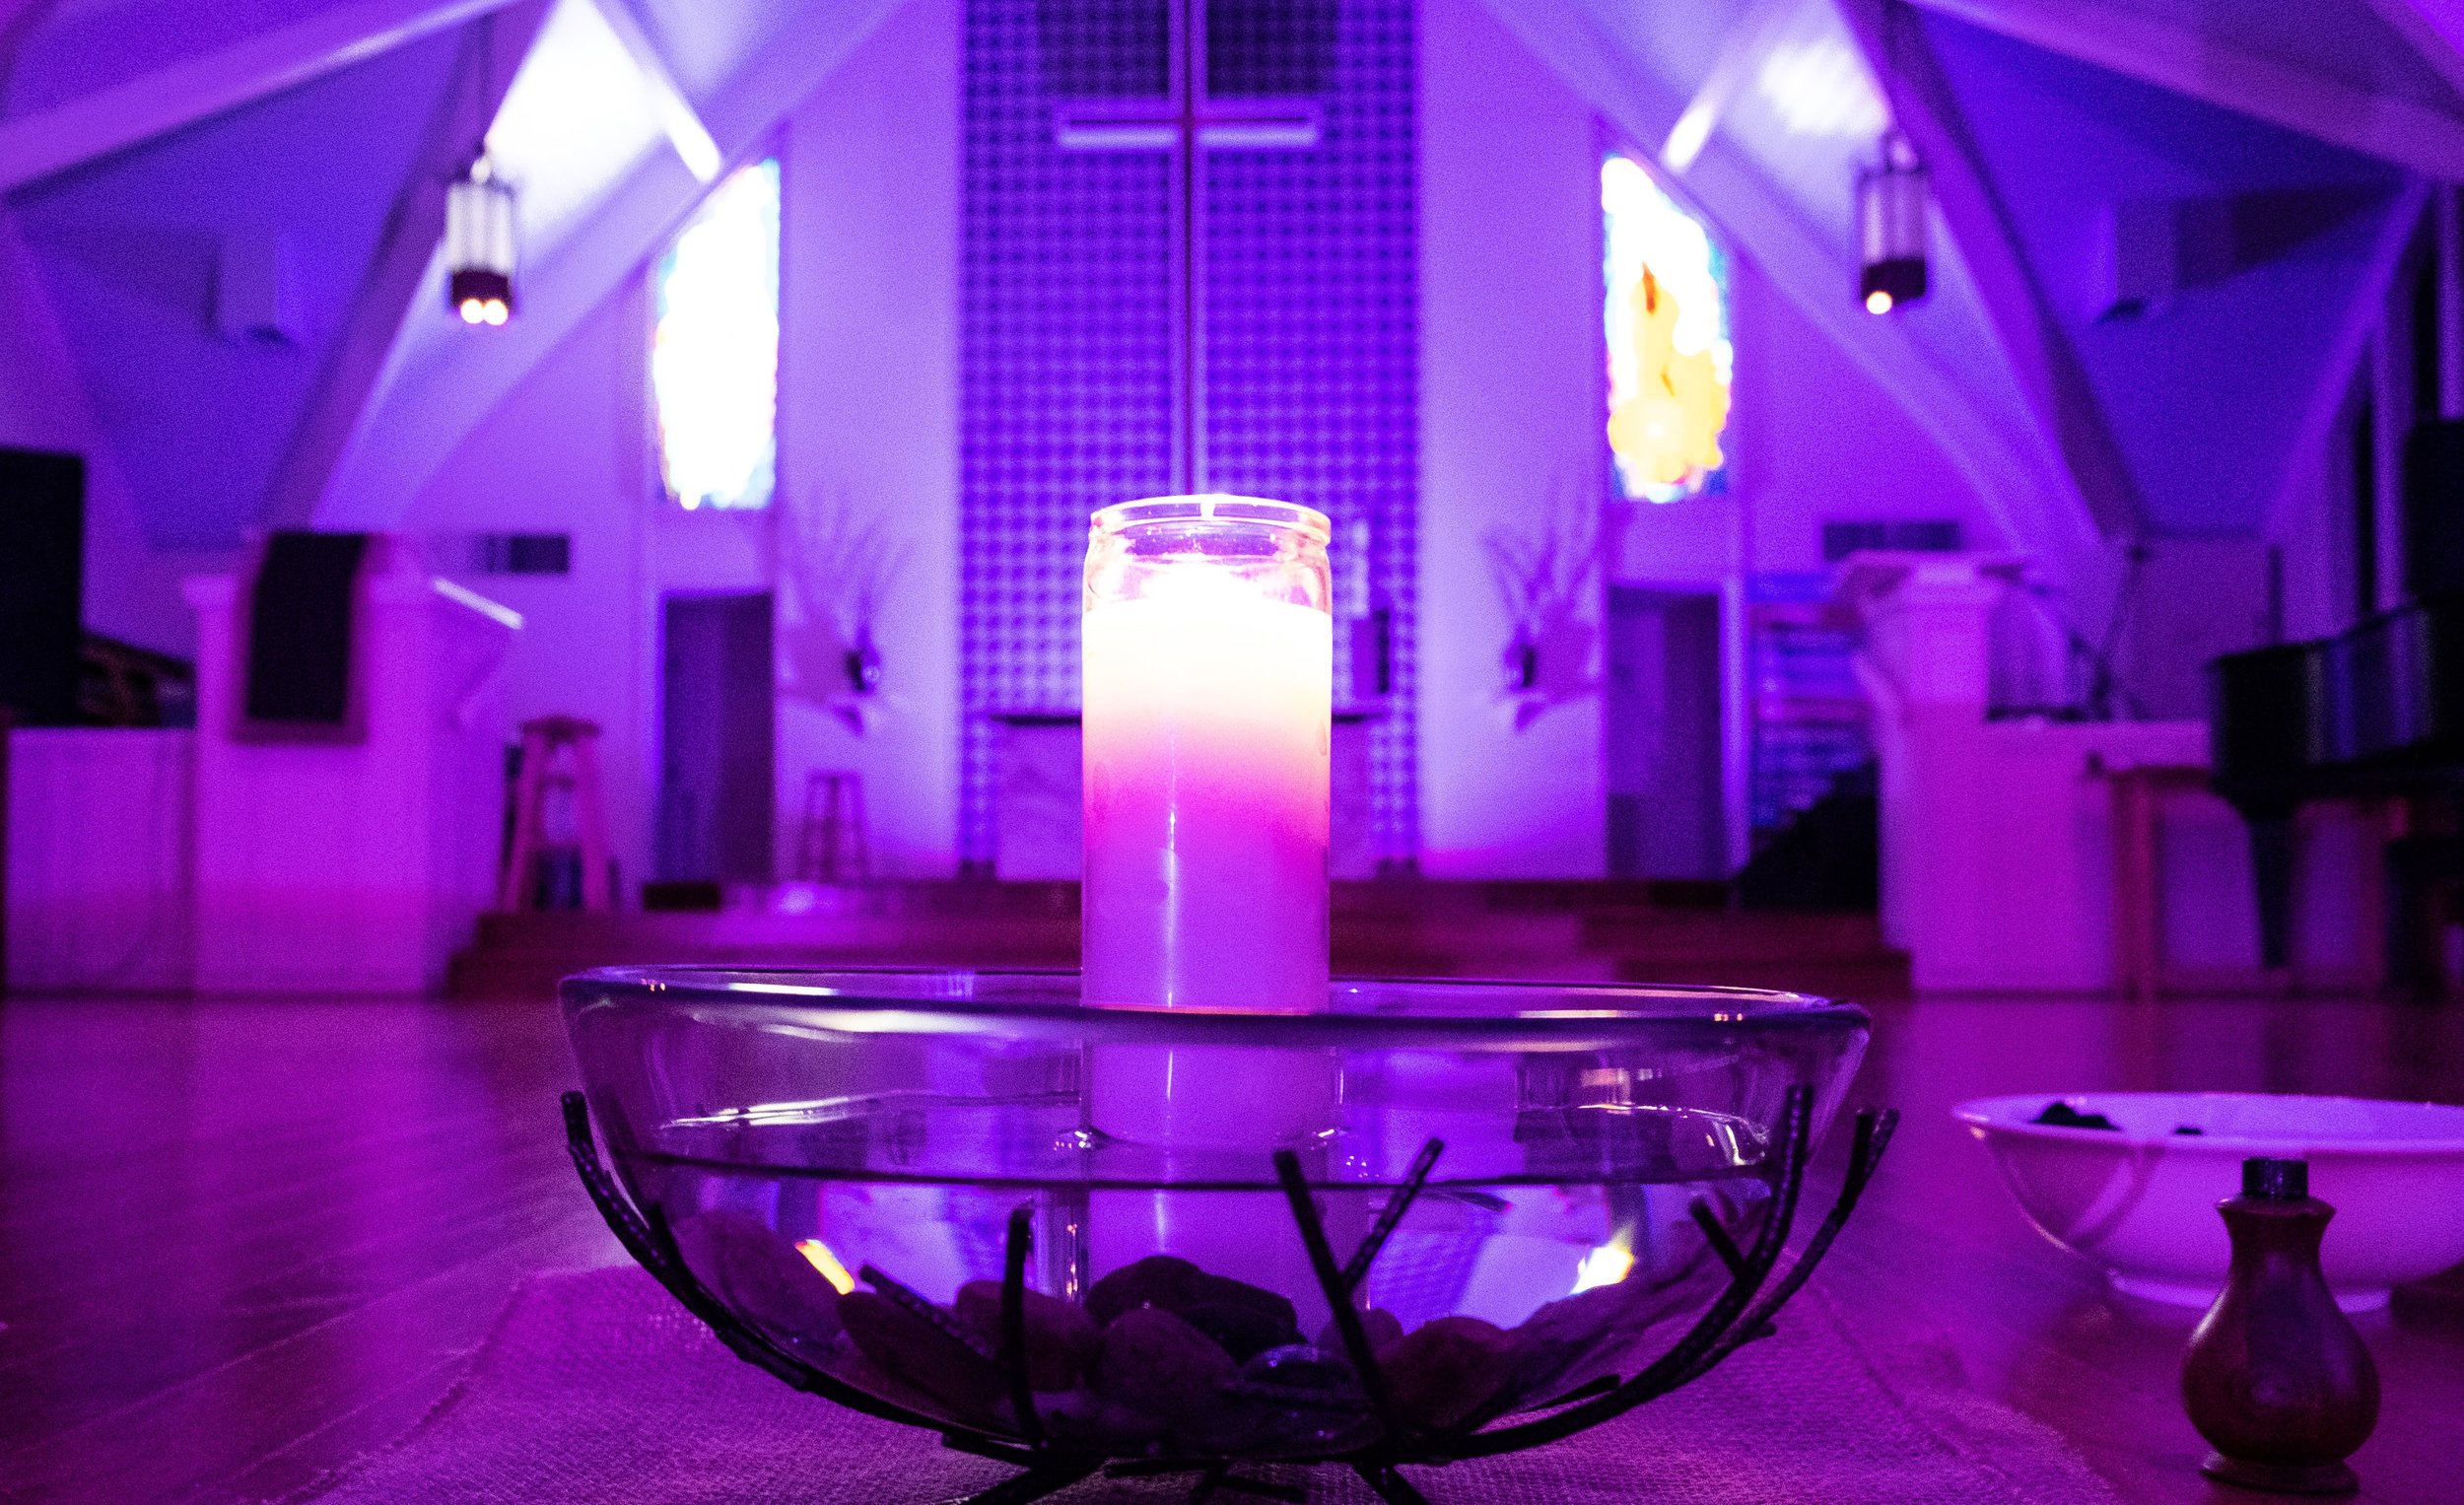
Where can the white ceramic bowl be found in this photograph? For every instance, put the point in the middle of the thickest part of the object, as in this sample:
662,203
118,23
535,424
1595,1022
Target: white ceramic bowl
2141,1202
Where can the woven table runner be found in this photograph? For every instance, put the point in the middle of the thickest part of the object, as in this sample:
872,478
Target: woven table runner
596,1389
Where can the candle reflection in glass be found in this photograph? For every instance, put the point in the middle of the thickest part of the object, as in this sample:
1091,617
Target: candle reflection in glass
1209,694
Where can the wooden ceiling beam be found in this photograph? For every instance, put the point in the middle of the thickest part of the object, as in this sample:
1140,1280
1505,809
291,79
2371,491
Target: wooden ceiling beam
1747,45
2435,29
692,139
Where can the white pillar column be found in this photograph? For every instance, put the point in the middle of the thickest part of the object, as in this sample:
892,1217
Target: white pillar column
1925,663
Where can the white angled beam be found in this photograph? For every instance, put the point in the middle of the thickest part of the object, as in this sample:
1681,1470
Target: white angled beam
692,141
430,408
35,146
2032,338
1746,42
2435,29
2021,485
2155,51
2366,315
399,270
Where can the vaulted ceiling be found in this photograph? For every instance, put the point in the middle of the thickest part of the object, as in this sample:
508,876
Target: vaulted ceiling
151,150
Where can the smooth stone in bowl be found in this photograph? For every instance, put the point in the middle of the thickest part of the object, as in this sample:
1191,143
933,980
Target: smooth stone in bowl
1443,1370
2141,1199
1379,1326
1153,1361
921,1352
1060,1337
908,1116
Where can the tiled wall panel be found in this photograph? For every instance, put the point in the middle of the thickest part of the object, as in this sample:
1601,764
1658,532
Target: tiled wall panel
1068,339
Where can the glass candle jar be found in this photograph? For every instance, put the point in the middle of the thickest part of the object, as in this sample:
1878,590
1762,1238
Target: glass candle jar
1208,696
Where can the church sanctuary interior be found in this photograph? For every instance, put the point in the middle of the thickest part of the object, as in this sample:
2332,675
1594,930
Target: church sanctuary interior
1505,632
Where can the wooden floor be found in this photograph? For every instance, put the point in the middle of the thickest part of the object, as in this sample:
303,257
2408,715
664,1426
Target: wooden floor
241,1242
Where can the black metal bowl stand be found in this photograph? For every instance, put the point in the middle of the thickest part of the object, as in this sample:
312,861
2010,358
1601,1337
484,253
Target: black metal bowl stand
1741,1313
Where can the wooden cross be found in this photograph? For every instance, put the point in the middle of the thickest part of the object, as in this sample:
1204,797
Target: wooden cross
1187,121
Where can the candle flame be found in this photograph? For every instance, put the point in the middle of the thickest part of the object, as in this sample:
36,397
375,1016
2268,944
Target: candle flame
1608,1264
818,1254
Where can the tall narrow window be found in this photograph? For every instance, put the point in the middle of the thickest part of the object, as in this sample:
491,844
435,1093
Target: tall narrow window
715,348
1670,356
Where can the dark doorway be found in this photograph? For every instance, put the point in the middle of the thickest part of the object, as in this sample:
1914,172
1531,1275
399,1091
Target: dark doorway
717,704
1667,817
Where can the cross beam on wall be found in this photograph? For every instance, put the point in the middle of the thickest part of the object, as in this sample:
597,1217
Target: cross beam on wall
1187,122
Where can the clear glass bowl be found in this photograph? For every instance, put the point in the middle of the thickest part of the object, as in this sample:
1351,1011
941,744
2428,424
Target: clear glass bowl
839,1159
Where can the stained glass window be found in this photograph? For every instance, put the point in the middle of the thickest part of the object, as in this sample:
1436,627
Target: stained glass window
1670,356
714,347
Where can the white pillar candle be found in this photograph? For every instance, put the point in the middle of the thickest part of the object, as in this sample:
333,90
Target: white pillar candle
1207,714
1208,698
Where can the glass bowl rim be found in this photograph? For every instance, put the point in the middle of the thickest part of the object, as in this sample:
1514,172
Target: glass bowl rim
1562,1014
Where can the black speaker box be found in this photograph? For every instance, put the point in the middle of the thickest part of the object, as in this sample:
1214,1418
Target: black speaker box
300,610
42,579
2433,509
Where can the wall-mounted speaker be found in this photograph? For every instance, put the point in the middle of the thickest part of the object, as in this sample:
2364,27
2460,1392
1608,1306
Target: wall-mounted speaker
256,290
43,574
2433,509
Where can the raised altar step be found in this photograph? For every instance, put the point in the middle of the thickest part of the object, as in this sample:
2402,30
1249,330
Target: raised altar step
1564,931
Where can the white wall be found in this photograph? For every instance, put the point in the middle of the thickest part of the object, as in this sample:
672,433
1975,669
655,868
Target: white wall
570,451
1512,408
1812,440
131,589
1510,390
870,426
868,404
100,861
566,452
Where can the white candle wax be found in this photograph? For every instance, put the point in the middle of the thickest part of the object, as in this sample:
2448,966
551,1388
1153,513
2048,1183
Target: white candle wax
1208,713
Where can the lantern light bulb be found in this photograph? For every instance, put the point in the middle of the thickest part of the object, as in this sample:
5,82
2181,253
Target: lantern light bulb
1878,302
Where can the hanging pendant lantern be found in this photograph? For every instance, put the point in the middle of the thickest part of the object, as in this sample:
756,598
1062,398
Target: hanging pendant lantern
1892,200
479,244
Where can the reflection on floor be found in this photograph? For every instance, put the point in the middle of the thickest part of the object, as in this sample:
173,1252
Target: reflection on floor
241,1242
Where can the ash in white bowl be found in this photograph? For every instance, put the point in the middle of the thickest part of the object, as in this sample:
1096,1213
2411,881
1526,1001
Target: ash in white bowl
2140,1198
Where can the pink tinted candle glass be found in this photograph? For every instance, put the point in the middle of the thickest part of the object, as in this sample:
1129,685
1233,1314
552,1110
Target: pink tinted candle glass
1208,685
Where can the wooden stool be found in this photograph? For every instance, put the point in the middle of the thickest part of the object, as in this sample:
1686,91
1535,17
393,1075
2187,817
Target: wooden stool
833,829
542,739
